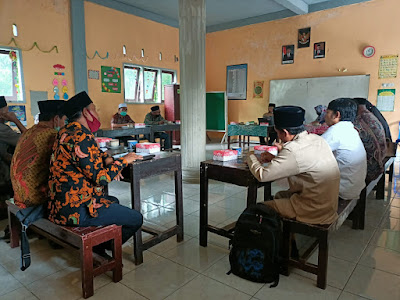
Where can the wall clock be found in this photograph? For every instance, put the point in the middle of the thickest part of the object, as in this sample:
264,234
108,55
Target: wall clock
368,51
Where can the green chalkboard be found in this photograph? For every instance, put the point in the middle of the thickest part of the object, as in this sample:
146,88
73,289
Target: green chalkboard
216,111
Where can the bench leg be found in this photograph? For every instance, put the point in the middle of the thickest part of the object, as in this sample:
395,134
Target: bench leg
359,211
117,255
87,268
322,260
380,187
15,229
285,249
391,169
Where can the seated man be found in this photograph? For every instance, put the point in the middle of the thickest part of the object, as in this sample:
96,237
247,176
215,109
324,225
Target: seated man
8,140
271,132
31,160
79,170
372,135
346,146
121,118
154,118
309,166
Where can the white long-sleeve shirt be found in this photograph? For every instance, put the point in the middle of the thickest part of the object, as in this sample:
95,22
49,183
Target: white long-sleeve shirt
351,157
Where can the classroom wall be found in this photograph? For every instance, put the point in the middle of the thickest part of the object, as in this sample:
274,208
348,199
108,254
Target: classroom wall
107,30
346,31
46,22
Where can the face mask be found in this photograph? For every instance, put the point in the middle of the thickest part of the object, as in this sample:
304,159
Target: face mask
93,125
57,128
123,113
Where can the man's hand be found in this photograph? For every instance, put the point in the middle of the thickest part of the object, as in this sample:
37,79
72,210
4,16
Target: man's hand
266,157
279,146
9,116
109,161
131,157
119,177
161,122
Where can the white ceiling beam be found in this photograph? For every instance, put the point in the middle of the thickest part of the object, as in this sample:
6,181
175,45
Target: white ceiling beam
297,6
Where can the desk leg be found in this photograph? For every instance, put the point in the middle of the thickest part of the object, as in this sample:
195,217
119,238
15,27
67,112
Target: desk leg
152,136
179,201
135,200
252,193
267,192
229,142
170,139
240,141
248,141
203,205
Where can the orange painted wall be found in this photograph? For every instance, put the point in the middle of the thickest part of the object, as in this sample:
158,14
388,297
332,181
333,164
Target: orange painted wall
46,22
346,30
107,30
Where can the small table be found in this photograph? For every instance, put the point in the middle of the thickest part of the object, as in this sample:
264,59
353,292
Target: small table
164,127
247,130
163,162
235,172
118,132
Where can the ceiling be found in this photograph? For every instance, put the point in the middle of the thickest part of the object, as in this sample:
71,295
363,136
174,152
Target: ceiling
224,14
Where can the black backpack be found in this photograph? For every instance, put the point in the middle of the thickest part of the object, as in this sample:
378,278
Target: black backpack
256,245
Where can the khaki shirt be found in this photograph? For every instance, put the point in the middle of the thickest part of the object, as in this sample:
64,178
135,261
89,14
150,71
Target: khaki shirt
313,175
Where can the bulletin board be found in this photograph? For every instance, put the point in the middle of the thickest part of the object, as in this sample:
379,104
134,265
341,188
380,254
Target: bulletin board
216,111
110,79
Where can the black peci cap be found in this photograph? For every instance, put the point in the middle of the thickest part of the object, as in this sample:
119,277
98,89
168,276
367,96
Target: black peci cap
288,116
76,104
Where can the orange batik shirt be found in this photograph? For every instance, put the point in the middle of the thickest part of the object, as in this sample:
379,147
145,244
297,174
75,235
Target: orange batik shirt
78,175
30,166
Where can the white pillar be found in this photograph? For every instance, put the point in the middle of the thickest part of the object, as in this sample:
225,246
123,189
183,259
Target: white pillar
192,39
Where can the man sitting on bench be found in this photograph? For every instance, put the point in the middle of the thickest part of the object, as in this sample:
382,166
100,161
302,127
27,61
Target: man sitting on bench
347,147
79,170
309,166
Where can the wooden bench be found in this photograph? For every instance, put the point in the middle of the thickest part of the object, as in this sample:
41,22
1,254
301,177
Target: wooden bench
78,238
352,209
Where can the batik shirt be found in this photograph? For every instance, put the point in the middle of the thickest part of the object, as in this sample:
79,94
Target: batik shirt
78,175
30,165
119,119
372,135
153,120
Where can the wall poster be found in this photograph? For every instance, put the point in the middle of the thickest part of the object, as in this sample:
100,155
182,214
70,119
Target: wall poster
110,79
236,82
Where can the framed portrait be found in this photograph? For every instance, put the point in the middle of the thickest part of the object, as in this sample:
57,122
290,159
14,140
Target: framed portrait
236,82
287,54
304,37
319,50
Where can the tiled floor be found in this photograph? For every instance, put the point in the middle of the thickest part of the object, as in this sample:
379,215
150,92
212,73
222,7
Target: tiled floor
362,264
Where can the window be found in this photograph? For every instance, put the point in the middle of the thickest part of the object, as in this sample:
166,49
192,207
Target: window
10,75
146,84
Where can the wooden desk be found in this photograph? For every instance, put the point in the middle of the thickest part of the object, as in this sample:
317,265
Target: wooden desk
118,132
235,172
164,162
164,127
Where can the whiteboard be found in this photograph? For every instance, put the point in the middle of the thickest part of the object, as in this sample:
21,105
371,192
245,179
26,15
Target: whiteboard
310,92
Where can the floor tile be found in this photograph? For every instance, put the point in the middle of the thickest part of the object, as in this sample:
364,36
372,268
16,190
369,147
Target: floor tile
195,257
128,260
212,197
158,278
297,287
44,263
160,216
189,206
116,291
64,285
8,282
237,204
218,272
206,288
394,212
218,214
168,244
382,259
374,284
349,296
395,202
388,234
19,294
339,271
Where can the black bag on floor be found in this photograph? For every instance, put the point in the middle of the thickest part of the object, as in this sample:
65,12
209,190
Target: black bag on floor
256,245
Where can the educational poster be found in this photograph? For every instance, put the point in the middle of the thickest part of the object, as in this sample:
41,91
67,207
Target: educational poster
388,66
110,79
287,54
385,100
304,38
236,82
258,91
20,112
